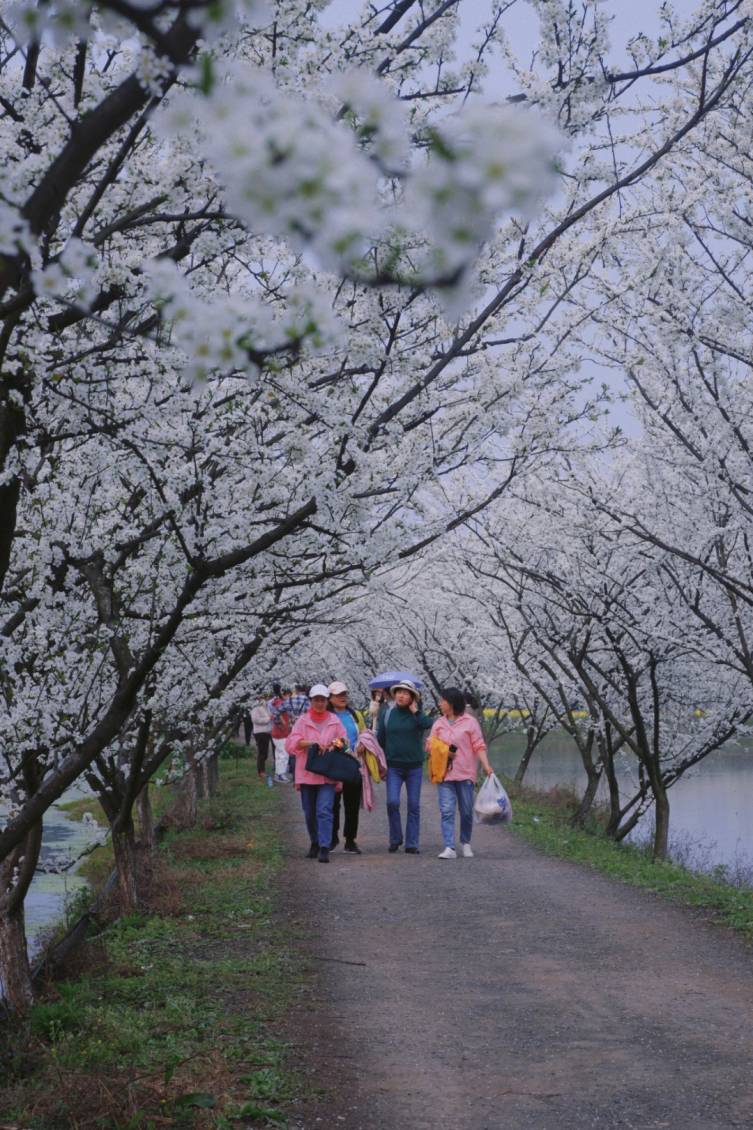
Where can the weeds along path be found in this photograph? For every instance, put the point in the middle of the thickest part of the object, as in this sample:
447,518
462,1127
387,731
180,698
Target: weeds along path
513,991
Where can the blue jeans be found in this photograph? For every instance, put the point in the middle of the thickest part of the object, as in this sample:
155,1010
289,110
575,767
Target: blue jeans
412,775
317,801
447,792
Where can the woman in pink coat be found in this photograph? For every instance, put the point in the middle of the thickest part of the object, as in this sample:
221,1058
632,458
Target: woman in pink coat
318,726
462,733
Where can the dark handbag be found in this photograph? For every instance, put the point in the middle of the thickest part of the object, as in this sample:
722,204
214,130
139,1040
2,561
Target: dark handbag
333,764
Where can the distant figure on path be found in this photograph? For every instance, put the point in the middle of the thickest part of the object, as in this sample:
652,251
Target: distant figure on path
472,705
318,726
385,706
294,705
280,730
248,726
262,724
462,733
373,709
400,736
351,793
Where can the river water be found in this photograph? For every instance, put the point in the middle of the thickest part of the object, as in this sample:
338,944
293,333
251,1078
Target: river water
711,811
50,894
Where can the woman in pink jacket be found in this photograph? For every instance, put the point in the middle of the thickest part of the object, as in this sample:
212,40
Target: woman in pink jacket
318,726
462,733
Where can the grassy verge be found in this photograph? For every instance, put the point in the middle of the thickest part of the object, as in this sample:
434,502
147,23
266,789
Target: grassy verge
544,820
167,1018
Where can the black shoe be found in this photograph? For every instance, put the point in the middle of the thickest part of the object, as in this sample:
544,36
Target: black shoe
313,852
323,855
412,851
352,848
394,847
334,845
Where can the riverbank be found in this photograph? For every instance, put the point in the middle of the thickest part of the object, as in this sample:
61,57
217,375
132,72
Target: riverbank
543,819
168,1016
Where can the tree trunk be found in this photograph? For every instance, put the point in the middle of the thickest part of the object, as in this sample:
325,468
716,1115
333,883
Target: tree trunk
615,810
16,873
18,992
190,794
530,747
661,823
214,772
146,820
124,846
205,788
589,796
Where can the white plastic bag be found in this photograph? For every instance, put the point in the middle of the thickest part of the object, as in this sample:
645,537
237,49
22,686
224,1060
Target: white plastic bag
492,805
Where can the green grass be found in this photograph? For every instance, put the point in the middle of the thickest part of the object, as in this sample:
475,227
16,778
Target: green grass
170,1014
543,819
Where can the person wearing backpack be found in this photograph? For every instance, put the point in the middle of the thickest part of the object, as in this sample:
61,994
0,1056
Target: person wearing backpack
462,733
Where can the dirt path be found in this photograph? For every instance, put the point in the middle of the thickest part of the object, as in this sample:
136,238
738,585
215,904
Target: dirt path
512,991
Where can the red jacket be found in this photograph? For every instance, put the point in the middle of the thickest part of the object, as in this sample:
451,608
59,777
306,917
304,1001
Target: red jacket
283,730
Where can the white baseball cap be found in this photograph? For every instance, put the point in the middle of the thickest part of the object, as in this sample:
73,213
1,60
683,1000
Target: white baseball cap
319,689
338,688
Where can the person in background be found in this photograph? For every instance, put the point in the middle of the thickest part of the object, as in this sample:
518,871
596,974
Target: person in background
351,792
280,729
462,733
373,709
472,704
400,736
294,705
248,726
262,725
318,726
385,706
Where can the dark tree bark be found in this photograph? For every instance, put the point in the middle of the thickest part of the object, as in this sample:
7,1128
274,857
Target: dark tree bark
661,820
124,846
16,873
527,755
191,793
146,820
117,792
214,772
14,959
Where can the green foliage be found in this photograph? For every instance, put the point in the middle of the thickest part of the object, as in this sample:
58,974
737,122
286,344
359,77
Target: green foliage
55,1019
269,1084
236,751
544,820
265,1114
201,1100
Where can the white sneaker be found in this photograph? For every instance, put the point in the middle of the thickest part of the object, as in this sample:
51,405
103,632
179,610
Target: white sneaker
466,850
448,853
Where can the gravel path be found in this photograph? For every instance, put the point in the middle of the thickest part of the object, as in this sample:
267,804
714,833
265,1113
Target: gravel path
512,991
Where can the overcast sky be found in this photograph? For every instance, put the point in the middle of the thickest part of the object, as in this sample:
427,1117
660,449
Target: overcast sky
521,26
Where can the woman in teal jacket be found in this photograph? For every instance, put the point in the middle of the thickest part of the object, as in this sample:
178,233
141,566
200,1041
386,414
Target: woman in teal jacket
401,735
